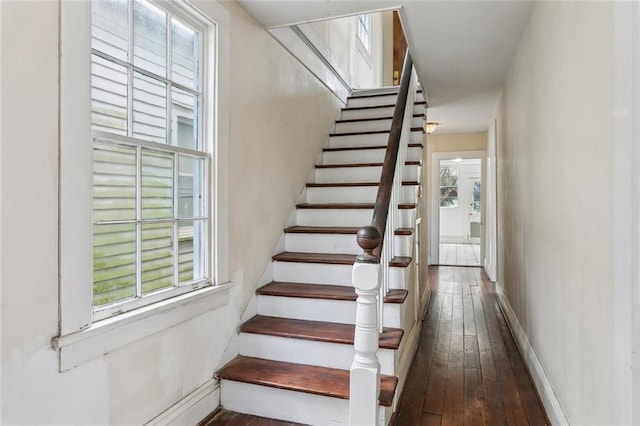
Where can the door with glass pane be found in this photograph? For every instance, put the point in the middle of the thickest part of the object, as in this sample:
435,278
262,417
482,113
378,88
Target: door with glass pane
474,230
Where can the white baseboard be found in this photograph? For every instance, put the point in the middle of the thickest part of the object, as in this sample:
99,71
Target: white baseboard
192,408
541,380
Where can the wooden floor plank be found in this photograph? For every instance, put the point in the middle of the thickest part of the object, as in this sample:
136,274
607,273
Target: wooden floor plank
530,399
514,409
410,407
476,375
473,397
429,419
437,377
453,413
487,364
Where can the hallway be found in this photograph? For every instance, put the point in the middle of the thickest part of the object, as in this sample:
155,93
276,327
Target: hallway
467,369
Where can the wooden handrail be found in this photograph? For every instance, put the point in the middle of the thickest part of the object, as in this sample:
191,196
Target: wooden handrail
383,199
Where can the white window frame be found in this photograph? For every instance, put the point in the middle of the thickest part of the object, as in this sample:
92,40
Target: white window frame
440,197
364,31
81,337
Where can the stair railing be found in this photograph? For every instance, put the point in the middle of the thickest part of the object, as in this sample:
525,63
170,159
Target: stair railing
371,272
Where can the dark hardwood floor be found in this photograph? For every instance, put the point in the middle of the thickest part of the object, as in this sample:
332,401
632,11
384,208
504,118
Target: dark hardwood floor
467,369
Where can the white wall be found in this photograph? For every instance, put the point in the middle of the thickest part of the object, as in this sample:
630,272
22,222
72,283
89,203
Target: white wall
340,44
280,115
555,203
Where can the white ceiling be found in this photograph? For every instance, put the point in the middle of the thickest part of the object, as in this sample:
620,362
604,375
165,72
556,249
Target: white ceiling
461,49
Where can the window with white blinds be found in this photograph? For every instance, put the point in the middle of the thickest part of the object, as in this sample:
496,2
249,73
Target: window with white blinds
151,165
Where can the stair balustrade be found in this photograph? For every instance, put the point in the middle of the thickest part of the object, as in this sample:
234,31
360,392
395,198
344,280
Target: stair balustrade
371,273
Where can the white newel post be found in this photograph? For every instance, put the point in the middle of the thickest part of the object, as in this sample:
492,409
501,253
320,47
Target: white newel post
365,370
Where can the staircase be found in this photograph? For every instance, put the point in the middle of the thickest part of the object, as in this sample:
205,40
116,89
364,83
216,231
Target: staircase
295,355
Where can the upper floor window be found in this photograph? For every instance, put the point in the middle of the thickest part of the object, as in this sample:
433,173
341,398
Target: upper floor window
448,186
364,30
151,158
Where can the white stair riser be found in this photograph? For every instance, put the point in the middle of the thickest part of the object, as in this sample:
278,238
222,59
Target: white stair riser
360,174
289,405
351,114
371,125
313,273
340,311
283,404
300,351
371,101
333,217
403,245
347,217
373,139
322,243
338,243
322,273
365,156
354,194
377,100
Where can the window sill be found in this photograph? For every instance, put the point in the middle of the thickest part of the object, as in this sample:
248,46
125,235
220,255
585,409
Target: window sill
107,335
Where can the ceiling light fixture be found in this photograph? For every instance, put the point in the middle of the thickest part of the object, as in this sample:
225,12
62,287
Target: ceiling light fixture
430,127
457,160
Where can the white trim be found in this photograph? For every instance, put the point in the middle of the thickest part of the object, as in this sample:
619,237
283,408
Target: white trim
626,59
541,381
297,43
110,334
75,168
434,202
193,408
79,340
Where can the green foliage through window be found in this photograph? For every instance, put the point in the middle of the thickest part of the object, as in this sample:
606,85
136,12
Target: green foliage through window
448,186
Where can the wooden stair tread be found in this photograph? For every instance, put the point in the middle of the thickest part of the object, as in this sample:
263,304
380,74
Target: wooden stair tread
349,184
349,206
318,331
336,166
330,258
356,95
371,132
364,148
354,120
224,417
400,261
380,106
299,377
321,230
404,231
406,206
338,206
336,230
323,291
